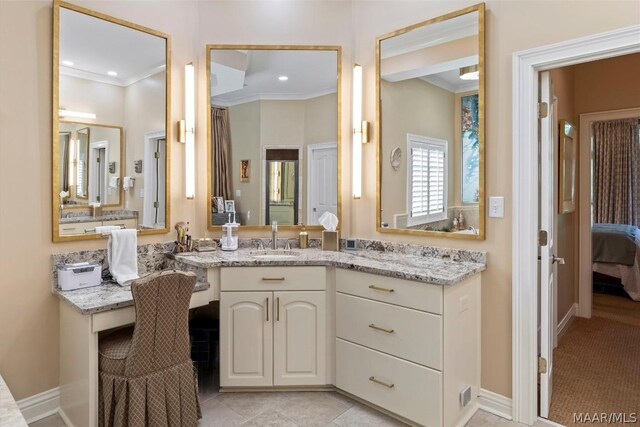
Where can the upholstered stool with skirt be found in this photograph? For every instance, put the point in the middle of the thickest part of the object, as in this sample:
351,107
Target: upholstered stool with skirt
146,374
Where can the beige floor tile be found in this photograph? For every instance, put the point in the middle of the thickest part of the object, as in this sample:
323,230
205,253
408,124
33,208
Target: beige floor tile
217,414
362,416
312,408
251,404
269,418
342,398
51,421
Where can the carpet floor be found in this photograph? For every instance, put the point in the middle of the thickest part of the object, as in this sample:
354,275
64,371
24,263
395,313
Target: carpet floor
596,370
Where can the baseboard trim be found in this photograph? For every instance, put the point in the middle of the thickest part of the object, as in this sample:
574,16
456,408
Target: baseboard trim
566,320
40,405
495,404
66,419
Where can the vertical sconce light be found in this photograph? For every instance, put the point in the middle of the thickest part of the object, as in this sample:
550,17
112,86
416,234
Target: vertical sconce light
356,168
188,130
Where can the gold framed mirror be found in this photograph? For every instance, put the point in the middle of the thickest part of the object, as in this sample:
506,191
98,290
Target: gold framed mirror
273,135
430,127
111,79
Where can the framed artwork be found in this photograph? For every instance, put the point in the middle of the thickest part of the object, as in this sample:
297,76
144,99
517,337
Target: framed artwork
470,149
229,206
245,170
219,204
567,177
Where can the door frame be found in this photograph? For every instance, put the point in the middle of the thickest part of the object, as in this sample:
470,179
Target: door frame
525,68
585,286
147,174
310,149
263,172
91,176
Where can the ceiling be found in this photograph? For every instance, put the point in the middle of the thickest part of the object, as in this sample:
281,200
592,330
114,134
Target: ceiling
451,81
244,76
96,46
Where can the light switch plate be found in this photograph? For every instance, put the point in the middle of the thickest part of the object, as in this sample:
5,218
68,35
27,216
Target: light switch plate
496,207
238,193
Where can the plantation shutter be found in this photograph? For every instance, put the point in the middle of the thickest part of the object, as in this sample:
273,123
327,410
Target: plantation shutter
427,177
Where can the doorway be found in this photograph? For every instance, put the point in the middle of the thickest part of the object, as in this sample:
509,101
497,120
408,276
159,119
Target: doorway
154,170
322,185
525,303
98,160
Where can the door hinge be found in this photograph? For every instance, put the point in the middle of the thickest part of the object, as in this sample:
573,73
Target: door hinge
542,365
156,204
156,155
543,110
543,238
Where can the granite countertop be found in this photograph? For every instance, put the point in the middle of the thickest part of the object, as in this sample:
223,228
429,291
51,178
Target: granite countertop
443,270
89,218
10,414
105,297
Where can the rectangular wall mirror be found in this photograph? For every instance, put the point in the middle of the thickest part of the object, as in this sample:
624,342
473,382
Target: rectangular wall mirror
273,134
110,114
430,107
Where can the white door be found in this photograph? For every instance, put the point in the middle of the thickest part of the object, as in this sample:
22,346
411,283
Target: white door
155,153
246,339
299,339
548,209
322,194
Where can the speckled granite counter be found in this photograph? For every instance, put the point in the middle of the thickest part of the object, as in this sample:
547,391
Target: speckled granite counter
105,297
445,269
10,414
107,216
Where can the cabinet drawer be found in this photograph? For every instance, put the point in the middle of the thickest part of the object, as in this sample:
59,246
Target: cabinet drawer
78,227
402,387
403,332
418,295
273,279
126,223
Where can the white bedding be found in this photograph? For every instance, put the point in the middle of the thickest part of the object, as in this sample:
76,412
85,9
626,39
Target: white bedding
628,275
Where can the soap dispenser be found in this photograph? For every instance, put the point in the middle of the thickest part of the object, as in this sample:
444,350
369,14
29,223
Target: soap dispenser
304,238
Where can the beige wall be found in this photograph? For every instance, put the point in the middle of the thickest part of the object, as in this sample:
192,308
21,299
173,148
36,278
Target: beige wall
563,89
104,100
417,107
29,347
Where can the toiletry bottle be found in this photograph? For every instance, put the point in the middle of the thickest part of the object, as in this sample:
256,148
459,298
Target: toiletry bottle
304,238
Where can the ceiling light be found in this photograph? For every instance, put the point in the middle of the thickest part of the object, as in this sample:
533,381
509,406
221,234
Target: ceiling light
77,114
283,78
469,73
67,63
112,73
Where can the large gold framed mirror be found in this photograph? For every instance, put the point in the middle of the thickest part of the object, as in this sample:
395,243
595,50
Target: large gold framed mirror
430,127
273,135
111,123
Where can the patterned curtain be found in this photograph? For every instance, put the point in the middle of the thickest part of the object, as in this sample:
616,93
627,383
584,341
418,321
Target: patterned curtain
616,185
220,153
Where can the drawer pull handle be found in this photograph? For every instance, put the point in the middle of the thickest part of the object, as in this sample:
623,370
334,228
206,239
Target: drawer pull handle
378,328
267,308
378,288
377,381
273,279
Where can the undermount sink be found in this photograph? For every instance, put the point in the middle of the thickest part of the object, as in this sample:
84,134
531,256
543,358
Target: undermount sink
275,254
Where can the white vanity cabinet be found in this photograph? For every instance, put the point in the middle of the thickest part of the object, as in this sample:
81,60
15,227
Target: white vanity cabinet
273,326
408,347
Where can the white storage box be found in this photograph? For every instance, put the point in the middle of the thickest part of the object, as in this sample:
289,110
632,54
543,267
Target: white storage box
78,276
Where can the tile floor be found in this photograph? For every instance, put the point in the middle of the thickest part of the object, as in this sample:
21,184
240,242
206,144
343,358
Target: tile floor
291,409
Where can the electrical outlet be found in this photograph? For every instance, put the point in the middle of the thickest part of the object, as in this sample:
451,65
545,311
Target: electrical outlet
238,193
465,396
496,207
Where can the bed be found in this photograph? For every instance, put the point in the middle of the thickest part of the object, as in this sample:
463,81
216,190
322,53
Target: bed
616,253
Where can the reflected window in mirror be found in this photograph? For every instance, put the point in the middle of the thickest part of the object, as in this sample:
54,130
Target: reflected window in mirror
274,134
111,81
431,141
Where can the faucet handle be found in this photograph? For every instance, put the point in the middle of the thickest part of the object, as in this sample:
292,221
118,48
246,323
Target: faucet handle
260,245
287,245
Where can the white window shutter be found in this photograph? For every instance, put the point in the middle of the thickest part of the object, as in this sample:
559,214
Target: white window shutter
427,180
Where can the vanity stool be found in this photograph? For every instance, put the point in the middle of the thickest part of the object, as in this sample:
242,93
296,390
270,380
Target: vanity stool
146,376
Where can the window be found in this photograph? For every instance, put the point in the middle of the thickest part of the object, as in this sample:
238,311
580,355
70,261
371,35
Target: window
427,179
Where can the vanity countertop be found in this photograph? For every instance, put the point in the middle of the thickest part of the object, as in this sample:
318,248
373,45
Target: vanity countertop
106,217
447,270
10,414
105,297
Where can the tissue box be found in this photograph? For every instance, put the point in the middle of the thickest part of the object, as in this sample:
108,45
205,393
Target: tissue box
330,240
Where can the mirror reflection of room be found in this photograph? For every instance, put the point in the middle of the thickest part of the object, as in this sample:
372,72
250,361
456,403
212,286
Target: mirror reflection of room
112,140
274,132
430,144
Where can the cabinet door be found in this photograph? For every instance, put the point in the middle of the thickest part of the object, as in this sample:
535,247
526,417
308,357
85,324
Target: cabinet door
246,339
299,338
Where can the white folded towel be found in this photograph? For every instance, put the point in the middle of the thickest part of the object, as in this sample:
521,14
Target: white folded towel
103,229
114,181
122,255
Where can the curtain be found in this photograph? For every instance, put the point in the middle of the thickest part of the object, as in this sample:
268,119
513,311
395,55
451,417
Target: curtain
220,153
616,165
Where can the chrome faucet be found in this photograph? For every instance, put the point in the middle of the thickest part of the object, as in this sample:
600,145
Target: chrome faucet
274,235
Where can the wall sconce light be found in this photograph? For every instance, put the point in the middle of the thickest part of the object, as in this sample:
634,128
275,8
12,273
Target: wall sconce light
76,114
360,132
189,130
